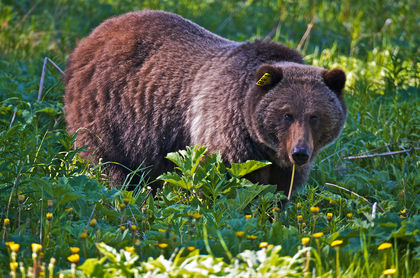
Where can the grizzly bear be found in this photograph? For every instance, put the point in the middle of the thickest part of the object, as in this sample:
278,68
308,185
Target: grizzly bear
148,83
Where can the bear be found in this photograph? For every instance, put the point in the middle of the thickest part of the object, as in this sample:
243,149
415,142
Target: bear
147,83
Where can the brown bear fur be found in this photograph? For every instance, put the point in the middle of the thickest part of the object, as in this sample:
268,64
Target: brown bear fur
148,83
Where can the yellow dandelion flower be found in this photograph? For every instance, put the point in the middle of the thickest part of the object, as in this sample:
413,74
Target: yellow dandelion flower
83,235
349,215
122,228
13,266
122,206
276,209
36,247
240,234
14,247
270,246
248,216
263,244
133,227
8,243
389,271
329,216
6,221
299,218
384,246
126,200
196,215
74,250
161,230
21,198
93,222
315,210
190,248
318,235
305,240
403,211
251,237
336,243
129,249
163,245
49,215
304,224
75,258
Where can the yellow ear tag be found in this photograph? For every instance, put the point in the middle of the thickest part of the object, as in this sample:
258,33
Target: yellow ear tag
264,80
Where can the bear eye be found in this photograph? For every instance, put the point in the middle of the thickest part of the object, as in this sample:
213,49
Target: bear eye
313,120
288,118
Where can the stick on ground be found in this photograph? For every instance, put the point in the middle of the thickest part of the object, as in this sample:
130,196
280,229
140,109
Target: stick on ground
380,154
41,83
355,194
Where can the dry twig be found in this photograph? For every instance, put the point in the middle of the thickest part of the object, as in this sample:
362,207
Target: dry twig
306,34
41,83
355,194
380,154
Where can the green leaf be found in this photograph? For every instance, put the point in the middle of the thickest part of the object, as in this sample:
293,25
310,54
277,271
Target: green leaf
175,179
48,110
249,166
188,160
245,195
93,267
109,252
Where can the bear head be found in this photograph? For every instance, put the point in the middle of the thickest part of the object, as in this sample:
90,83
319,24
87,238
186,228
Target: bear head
294,110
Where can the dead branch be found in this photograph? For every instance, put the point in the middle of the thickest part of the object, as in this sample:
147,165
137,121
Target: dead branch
41,83
380,154
26,15
13,118
355,194
306,34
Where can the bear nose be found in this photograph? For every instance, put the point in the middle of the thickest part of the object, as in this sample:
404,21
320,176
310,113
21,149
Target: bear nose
300,155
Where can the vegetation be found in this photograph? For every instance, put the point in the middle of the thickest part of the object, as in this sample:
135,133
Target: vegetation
208,219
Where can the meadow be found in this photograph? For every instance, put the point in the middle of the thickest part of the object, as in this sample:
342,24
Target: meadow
357,215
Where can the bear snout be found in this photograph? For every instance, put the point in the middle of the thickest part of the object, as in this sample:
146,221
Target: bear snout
300,155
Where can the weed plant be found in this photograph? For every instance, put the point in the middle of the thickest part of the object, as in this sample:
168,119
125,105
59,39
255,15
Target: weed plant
357,216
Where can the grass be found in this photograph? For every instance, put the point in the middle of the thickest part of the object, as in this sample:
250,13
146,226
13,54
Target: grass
209,220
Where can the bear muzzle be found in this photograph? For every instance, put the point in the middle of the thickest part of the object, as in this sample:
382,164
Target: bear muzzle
300,155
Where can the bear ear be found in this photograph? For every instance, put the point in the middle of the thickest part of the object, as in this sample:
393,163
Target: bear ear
268,76
335,79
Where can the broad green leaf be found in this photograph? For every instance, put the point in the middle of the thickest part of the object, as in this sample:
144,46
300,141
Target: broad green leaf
109,252
175,179
245,195
249,166
93,266
189,159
